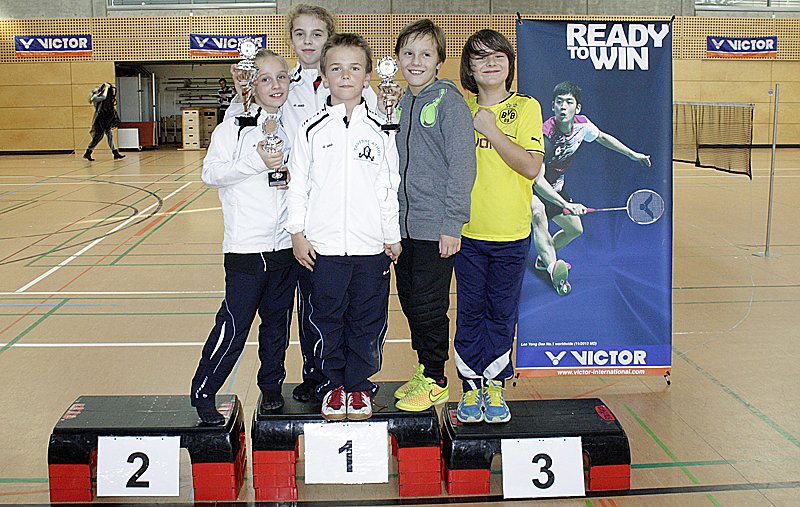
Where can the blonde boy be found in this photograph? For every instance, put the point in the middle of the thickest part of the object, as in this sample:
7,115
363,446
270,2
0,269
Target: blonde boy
344,225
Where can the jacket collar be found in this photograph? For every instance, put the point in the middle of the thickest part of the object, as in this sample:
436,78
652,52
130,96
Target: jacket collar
340,111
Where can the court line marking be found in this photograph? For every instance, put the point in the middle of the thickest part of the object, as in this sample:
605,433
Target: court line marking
739,399
28,186
93,244
30,328
199,210
114,293
140,344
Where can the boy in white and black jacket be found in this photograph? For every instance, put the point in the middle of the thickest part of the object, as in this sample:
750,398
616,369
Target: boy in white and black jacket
308,28
343,217
260,270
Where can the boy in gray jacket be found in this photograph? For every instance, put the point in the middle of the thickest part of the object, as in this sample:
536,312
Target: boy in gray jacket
436,145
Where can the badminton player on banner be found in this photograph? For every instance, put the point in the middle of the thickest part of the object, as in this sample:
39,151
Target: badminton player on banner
563,134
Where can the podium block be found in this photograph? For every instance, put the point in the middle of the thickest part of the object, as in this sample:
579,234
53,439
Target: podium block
217,452
468,448
416,440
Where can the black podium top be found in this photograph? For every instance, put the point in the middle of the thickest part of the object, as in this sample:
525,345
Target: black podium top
472,445
279,429
74,437
544,419
140,415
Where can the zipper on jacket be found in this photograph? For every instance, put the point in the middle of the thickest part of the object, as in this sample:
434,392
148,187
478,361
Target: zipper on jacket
408,156
275,229
346,178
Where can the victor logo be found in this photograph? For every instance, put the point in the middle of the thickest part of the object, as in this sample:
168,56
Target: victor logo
601,357
609,357
555,359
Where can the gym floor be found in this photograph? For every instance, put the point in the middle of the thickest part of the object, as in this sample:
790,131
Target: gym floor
111,273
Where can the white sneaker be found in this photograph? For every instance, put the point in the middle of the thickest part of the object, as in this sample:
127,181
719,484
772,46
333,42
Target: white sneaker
333,405
359,406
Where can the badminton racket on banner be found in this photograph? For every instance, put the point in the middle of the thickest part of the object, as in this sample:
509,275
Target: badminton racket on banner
644,207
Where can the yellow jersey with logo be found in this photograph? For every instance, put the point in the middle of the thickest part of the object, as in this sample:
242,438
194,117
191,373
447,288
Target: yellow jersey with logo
501,197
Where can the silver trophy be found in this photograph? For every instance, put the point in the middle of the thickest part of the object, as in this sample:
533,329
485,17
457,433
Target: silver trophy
273,144
387,68
248,48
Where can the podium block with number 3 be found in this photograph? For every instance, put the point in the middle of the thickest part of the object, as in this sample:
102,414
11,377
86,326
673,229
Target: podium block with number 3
138,466
542,467
347,453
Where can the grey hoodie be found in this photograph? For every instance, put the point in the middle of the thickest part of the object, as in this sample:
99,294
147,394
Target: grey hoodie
436,144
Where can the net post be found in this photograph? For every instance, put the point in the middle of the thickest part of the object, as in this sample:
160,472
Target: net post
772,170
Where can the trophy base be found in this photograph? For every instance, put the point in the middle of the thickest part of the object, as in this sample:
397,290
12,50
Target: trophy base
278,178
390,126
246,121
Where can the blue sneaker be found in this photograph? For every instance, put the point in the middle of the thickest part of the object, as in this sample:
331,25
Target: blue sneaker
470,408
496,410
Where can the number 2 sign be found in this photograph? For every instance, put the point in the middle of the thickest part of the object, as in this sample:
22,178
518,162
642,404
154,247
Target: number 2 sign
138,466
542,467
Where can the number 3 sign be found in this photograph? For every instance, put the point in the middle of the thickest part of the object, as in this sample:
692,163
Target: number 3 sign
138,466
541,467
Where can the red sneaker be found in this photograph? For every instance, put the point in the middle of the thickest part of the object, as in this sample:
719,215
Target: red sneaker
359,406
333,405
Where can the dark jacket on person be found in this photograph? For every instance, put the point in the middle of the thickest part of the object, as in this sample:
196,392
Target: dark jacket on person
105,112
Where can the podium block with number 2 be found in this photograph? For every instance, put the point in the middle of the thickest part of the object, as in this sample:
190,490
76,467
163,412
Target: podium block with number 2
542,467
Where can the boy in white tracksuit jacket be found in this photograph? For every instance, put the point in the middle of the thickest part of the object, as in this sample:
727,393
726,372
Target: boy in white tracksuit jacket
308,27
260,270
343,217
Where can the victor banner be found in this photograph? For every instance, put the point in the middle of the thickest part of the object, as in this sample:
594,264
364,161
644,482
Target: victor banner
596,299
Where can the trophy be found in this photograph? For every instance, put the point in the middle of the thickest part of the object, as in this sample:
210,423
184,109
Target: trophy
247,50
386,68
273,144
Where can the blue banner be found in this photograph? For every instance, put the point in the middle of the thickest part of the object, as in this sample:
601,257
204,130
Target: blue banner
220,45
52,45
742,47
606,94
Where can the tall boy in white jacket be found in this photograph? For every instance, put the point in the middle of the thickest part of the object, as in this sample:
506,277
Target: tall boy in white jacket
308,28
260,271
343,217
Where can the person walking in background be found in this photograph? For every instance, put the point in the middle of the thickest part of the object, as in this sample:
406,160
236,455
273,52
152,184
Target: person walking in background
224,96
104,99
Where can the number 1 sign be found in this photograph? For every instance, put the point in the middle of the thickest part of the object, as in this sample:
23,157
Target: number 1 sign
347,453
138,466
542,467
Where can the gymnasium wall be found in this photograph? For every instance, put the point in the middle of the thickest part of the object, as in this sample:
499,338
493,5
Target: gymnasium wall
43,103
98,8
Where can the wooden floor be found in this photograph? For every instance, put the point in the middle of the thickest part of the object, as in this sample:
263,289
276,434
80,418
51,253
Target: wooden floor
110,274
